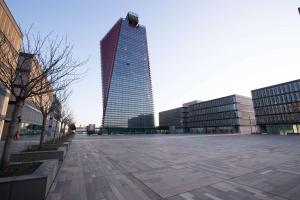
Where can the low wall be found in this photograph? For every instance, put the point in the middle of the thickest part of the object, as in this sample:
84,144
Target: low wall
34,186
39,155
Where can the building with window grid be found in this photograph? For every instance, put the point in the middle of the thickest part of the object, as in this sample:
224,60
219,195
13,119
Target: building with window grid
231,114
10,43
126,78
175,120
277,108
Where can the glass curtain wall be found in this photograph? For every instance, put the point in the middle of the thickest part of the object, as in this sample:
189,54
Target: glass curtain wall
130,102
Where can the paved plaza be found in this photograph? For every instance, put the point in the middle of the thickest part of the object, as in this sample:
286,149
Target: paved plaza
180,167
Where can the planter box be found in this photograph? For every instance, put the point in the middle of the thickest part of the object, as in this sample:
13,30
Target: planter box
69,140
46,147
39,155
66,145
34,186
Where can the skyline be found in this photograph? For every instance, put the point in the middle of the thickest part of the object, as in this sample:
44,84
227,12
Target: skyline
190,57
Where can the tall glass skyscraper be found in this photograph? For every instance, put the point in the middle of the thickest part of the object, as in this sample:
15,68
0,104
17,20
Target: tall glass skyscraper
126,78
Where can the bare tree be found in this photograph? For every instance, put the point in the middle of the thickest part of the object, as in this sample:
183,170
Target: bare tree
58,107
70,121
66,118
46,65
48,103
44,103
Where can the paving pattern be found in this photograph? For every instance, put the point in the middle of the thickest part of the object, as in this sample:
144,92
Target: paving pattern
180,167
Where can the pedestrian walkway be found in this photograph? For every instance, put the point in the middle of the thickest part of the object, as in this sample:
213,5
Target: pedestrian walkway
180,168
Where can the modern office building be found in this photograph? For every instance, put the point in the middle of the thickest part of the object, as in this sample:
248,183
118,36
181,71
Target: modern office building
175,120
126,78
231,114
277,108
10,42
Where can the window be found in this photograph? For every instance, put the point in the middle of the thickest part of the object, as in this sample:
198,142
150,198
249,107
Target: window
294,97
291,89
298,85
281,89
297,96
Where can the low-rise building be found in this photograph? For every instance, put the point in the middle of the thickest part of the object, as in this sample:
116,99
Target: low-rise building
31,118
10,42
175,120
230,114
277,108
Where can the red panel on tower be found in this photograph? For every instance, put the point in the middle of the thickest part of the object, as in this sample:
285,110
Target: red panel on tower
109,46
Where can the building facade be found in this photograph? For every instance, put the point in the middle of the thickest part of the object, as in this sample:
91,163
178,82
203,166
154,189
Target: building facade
10,42
30,116
173,120
277,108
231,114
126,78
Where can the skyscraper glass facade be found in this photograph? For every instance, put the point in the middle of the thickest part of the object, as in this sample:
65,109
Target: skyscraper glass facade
126,79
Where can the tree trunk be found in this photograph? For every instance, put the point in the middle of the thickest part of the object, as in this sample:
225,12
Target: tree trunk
64,129
60,130
55,130
12,128
43,131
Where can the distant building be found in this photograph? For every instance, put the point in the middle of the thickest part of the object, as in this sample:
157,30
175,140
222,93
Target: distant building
175,120
231,114
187,104
126,78
277,108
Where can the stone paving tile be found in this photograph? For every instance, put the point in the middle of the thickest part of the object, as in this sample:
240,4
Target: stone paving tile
220,168
90,176
223,191
277,180
168,182
180,167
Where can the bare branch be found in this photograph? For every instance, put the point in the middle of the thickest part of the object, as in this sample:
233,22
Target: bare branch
44,67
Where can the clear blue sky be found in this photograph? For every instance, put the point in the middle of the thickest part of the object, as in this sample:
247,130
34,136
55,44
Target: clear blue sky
200,49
